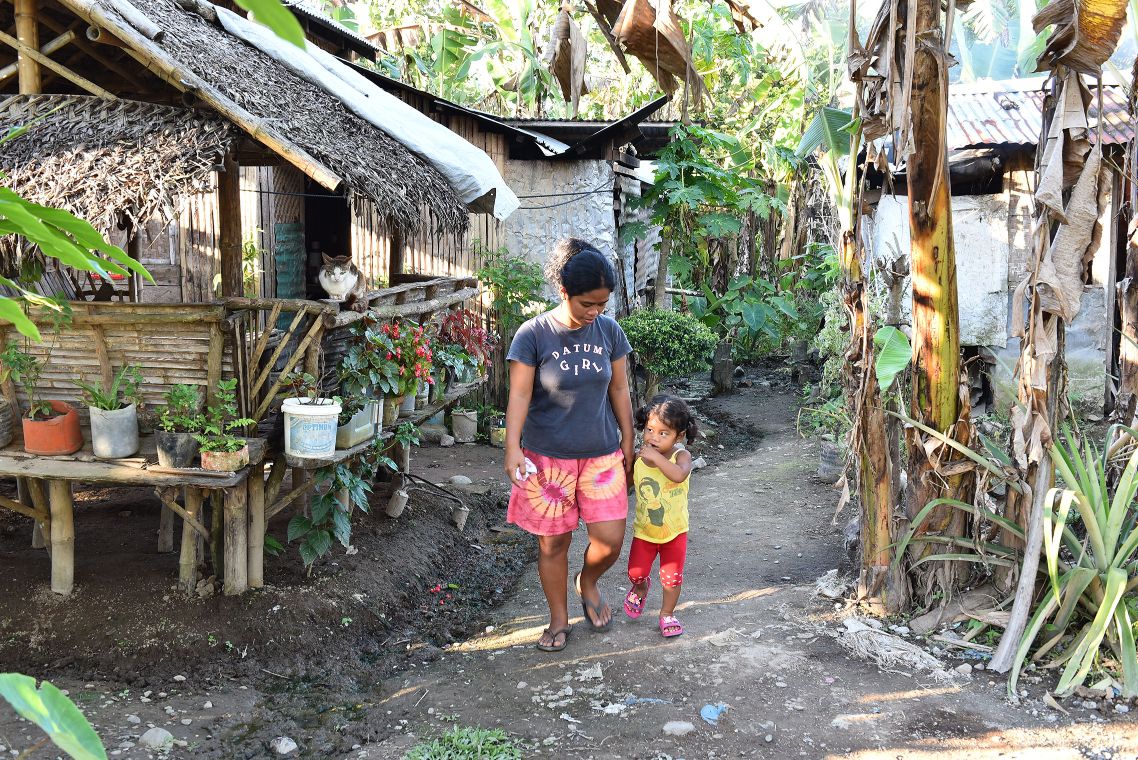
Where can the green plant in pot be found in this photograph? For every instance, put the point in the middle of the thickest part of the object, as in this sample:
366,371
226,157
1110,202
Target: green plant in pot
50,428
463,329
310,418
177,423
221,448
411,352
114,413
450,361
368,367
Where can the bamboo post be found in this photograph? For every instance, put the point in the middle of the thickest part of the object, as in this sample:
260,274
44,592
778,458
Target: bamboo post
165,531
236,540
395,260
188,559
229,223
215,526
299,478
214,361
54,45
257,526
62,536
27,33
25,497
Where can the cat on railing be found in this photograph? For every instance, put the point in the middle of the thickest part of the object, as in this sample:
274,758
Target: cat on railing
343,282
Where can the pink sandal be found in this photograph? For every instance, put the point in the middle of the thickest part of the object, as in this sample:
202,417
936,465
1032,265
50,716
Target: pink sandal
633,603
670,626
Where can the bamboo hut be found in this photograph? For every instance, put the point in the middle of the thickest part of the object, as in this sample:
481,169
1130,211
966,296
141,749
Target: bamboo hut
226,170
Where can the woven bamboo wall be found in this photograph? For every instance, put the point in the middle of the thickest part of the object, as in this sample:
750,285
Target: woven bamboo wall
168,352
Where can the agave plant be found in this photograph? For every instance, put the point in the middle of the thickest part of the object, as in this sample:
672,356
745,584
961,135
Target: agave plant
1090,577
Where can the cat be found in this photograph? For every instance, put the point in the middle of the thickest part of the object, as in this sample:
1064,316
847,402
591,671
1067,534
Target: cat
343,282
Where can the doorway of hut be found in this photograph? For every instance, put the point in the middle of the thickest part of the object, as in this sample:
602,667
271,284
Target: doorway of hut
327,232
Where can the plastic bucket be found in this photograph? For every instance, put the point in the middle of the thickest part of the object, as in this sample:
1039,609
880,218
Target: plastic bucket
114,432
310,428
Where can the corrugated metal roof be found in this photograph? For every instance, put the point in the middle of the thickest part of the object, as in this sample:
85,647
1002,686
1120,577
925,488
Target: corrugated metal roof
312,13
1011,113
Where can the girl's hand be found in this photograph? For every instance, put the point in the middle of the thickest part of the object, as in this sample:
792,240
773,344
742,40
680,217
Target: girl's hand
650,455
515,463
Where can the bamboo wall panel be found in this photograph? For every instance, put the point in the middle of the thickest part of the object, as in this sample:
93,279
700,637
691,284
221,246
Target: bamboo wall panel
198,253
167,352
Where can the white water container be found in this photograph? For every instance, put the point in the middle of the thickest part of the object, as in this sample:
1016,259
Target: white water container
310,427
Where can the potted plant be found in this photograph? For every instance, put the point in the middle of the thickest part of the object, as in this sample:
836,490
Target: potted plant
51,428
405,437
411,352
356,421
464,424
463,328
177,423
114,413
496,429
368,367
221,449
450,362
311,420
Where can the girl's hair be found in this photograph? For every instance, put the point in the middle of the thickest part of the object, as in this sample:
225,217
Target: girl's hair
579,267
673,412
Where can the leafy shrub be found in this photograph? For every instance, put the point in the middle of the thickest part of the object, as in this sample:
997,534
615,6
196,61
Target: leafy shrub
668,343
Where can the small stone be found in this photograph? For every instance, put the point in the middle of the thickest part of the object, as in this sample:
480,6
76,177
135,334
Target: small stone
157,738
133,719
186,721
460,480
446,441
699,464
768,738
964,670
1121,709
207,706
780,684
678,728
283,745
179,678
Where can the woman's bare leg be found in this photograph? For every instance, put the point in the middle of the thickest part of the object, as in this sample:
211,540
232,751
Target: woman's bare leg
553,569
605,540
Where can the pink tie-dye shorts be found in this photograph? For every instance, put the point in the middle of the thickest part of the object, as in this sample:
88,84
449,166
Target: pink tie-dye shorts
565,491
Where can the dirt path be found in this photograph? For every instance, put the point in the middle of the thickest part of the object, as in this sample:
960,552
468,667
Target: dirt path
304,660
757,640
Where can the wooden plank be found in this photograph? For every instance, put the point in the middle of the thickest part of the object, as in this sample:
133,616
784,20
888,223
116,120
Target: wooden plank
261,378
19,508
166,531
306,484
66,468
236,540
229,217
191,529
301,352
266,333
213,362
257,525
62,536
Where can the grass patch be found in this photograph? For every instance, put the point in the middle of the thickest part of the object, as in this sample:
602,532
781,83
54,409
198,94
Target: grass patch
467,744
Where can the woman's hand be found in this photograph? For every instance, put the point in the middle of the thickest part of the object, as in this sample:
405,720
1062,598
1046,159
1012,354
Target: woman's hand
629,458
515,463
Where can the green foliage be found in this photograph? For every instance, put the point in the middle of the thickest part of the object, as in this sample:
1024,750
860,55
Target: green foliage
669,343
125,390
515,285
182,413
752,309
251,257
1090,537
51,710
407,435
301,385
331,518
449,358
24,369
467,744
350,405
369,365
893,355
279,19
221,421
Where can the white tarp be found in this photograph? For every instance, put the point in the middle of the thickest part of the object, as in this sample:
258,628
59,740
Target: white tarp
469,170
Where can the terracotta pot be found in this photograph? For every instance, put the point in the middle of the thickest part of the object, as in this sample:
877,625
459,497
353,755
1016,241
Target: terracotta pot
225,461
176,449
59,435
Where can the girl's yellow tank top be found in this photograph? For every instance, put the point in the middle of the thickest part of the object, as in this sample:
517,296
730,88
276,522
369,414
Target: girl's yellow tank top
661,505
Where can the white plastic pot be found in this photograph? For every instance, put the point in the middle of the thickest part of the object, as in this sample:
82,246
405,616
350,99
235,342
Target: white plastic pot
114,432
310,427
359,428
464,424
407,408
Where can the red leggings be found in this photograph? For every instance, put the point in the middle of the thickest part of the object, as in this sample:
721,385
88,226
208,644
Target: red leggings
643,553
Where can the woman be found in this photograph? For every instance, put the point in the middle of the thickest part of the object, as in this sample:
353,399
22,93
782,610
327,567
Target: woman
569,434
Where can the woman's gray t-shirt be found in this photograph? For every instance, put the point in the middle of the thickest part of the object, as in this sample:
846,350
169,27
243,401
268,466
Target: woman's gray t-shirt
570,416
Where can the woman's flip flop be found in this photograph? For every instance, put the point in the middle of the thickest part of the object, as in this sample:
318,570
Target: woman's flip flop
634,603
586,605
670,626
552,647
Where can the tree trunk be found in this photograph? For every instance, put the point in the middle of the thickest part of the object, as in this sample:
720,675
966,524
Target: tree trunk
723,369
936,338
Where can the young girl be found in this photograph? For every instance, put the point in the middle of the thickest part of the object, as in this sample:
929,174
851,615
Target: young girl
661,526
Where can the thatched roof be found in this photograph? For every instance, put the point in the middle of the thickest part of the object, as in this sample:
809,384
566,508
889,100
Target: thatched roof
270,99
101,158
